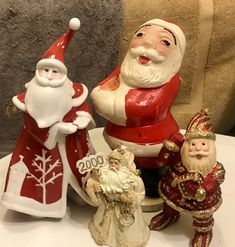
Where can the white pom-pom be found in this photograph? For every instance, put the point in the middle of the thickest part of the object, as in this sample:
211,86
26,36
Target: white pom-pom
74,24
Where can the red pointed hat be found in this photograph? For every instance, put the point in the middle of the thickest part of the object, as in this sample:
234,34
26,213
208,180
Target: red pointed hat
200,127
54,56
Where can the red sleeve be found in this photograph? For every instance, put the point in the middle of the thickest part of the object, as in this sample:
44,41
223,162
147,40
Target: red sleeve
21,97
71,116
170,152
78,89
214,179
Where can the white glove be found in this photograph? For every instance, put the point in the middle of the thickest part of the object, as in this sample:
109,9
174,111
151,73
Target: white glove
81,122
67,128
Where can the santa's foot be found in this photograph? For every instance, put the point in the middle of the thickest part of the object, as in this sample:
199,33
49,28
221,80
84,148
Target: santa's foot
161,221
202,239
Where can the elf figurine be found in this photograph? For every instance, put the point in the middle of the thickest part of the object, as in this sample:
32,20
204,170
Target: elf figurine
192,182
54,137
136,98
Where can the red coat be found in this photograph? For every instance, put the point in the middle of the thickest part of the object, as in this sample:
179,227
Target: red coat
44,163
175,197
148,118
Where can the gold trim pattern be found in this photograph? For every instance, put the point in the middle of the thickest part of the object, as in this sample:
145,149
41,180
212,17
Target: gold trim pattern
196,213
199,134
203,229
170,145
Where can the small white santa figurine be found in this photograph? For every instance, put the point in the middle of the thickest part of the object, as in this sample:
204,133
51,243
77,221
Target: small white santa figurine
192,183
136,98
118,191
54,137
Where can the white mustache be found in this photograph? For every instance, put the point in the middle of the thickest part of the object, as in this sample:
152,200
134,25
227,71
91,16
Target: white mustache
147,52
51,83
194,154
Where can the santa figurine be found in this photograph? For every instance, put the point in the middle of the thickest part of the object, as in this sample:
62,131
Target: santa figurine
192,182
118,191
136,98
54,137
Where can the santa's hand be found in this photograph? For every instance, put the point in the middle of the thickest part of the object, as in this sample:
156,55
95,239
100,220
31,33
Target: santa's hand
81,122
97,187
67,128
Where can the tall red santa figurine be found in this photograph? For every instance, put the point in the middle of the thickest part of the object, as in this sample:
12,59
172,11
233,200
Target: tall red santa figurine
136,98
191,186
54,137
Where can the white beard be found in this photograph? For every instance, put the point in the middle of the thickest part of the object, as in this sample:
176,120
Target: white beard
48,104
204,165
158,72
115,181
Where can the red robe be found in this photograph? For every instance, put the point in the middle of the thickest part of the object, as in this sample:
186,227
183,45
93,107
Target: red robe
186,202
44,163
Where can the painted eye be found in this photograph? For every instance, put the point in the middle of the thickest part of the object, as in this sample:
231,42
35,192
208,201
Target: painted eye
139,35
193,144
55,71
47,70
166,43
203,144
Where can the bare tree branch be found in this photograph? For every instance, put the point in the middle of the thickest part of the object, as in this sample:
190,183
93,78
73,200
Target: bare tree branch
57,163
52,179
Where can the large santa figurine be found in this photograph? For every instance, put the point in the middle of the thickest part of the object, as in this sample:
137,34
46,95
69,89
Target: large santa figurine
54,137
192,183
136,98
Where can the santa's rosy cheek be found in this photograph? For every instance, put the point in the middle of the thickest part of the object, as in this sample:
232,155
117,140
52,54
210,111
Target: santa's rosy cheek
136,42
192,149
42,72
205,148
166,51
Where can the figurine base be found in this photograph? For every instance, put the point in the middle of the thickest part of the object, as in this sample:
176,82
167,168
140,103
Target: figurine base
151,204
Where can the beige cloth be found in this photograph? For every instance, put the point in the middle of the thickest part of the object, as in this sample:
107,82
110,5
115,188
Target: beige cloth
207,73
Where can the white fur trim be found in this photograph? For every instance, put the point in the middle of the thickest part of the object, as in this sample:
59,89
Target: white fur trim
173,28
52,137
83,114
139,150
80,99
91,124
52,62
68,173
74,24
32,207
19,104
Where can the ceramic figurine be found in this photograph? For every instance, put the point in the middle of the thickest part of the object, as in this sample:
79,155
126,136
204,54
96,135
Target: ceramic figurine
53,138
192,186
118,191
139,94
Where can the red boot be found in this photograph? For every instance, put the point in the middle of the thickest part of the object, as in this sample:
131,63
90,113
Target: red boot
167,217
203,232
